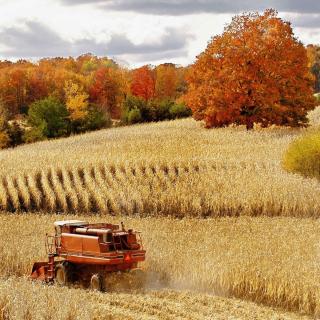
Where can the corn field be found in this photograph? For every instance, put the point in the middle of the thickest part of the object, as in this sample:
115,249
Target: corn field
270,261
49,302
264,247
173,168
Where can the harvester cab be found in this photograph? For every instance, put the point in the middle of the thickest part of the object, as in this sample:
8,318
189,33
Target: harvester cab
87,253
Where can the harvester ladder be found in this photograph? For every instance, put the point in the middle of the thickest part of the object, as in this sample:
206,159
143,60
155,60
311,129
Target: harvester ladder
50,267
51,243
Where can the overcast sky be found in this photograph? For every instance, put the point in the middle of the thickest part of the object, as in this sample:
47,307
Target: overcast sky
134,32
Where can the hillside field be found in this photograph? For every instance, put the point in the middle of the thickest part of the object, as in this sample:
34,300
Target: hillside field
221,221
174,168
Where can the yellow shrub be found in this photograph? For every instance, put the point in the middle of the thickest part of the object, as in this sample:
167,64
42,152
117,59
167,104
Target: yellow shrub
303,155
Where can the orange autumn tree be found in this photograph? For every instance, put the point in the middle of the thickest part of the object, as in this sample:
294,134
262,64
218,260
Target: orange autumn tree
166,81
106,91
13,83
255,72
143,83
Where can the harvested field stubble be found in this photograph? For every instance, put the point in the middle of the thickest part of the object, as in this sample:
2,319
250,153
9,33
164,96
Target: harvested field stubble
39,302
172,168
273,261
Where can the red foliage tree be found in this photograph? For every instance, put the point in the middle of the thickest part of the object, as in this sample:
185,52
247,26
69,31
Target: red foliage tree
106,91
256,71
143,83
37,87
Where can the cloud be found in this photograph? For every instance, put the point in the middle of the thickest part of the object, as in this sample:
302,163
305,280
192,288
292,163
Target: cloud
173,40
184,7
37,40
310,21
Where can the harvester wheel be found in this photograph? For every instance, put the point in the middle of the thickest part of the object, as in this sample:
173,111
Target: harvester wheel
96,282
63,274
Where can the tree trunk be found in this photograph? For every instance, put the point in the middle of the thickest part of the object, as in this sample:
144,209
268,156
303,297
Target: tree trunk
249,124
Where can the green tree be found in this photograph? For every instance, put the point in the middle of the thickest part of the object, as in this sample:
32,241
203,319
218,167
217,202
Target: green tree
134,116
180,110
49,116
34,135
136,103
96,119
160,109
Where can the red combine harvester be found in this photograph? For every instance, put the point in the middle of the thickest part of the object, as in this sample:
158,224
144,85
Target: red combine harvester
85,252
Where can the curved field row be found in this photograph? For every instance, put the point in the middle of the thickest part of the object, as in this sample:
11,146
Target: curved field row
106,189
178,189
172,168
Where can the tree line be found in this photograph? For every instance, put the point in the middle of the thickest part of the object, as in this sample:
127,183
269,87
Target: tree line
256,71
62,96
